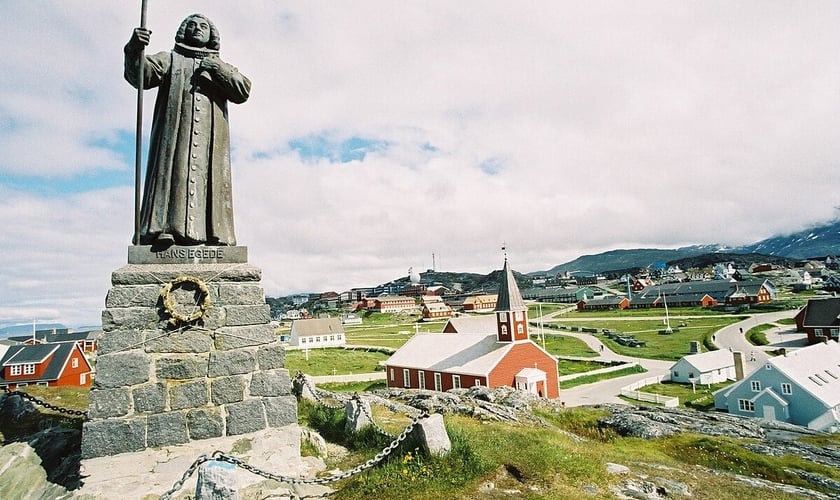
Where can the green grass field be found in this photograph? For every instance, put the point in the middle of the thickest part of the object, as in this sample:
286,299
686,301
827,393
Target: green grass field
333,361
564,345
667,347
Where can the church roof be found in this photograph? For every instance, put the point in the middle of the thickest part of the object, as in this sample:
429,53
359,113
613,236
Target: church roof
509,297
465,353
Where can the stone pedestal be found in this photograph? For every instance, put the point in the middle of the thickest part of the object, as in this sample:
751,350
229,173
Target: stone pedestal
161,382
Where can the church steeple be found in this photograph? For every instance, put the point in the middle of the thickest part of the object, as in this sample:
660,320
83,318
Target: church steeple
511,311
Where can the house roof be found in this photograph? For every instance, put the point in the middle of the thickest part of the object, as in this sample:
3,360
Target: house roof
467,353
815,368
473,324
61,353
17,355
316,326
509,297
711,360
56,336
822,312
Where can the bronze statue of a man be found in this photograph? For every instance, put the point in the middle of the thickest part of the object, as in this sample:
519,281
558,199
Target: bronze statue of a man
187,197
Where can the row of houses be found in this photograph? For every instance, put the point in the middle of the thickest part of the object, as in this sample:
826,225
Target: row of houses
687,294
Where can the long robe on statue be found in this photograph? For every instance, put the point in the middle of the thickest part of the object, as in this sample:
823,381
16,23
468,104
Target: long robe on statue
187,195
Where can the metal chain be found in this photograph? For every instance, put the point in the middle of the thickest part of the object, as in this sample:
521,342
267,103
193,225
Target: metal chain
219,456
40,402
189,472
334,477
370,418
313,390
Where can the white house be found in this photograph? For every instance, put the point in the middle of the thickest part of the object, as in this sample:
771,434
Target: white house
704,368
801,387
317,332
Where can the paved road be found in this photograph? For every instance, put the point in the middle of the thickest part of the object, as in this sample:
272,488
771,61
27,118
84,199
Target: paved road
729,337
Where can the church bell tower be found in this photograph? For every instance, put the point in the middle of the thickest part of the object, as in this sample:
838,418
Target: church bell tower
511,311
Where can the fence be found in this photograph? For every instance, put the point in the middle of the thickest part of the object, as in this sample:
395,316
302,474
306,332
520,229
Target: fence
632,391
341,379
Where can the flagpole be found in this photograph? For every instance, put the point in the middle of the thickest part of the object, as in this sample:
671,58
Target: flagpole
138,141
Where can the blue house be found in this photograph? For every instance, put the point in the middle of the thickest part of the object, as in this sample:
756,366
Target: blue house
801,387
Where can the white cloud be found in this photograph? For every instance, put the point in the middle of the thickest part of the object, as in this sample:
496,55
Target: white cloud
603,125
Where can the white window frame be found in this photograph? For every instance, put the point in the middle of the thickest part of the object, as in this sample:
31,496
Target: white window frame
83,378
29,369
421,379
406,378
746,405
392,374
787,389
438,382
74,363
504,331
818,332
15,370
456,381
477,383
755,385
520,329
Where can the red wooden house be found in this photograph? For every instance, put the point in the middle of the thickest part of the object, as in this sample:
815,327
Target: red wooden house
820,320
505,357
53,365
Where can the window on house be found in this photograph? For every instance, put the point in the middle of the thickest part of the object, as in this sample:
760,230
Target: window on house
520,329
43,384
517,315
406,378
14,370
392,374
786,388
477,383
456,381
29,369
83,378
755,385
438,382
421,379
504,330
676,373
746,405
74,363
835,333
339,336
818,332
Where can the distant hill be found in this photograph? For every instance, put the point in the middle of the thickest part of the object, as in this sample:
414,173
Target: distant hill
815,242
17,330
617,260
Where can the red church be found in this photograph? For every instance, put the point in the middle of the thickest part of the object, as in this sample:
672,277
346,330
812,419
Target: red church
505,357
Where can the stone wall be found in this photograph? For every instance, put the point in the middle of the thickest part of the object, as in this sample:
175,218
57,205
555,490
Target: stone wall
161,383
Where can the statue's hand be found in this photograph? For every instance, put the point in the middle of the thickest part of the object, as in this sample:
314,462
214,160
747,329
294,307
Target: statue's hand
140,38
210,64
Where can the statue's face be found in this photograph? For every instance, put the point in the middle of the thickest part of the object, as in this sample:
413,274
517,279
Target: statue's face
197,33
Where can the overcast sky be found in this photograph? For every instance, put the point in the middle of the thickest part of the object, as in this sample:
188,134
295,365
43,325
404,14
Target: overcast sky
379,133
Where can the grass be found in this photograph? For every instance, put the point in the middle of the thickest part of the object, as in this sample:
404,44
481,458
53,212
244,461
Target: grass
353,386
334,361
568,366
564,345
596,377
700,399
756,335
393,334
667,347
546,462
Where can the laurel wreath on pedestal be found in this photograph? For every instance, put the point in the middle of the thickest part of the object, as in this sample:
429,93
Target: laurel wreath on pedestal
172,307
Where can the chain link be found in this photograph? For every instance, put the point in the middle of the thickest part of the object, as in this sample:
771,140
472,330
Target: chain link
373,423
301,377
189,472
219,456
40,402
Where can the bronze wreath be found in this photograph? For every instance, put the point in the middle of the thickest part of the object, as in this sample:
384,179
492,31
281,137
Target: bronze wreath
170,306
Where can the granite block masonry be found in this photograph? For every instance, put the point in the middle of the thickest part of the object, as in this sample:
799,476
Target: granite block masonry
161,382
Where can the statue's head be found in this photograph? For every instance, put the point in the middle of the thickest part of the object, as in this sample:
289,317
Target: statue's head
198,31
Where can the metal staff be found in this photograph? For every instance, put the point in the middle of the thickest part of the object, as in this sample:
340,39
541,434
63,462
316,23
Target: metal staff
138,142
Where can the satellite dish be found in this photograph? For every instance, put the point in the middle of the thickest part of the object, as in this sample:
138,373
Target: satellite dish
413,276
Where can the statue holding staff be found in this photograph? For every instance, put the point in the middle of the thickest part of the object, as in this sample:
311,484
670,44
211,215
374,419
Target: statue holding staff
187,198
